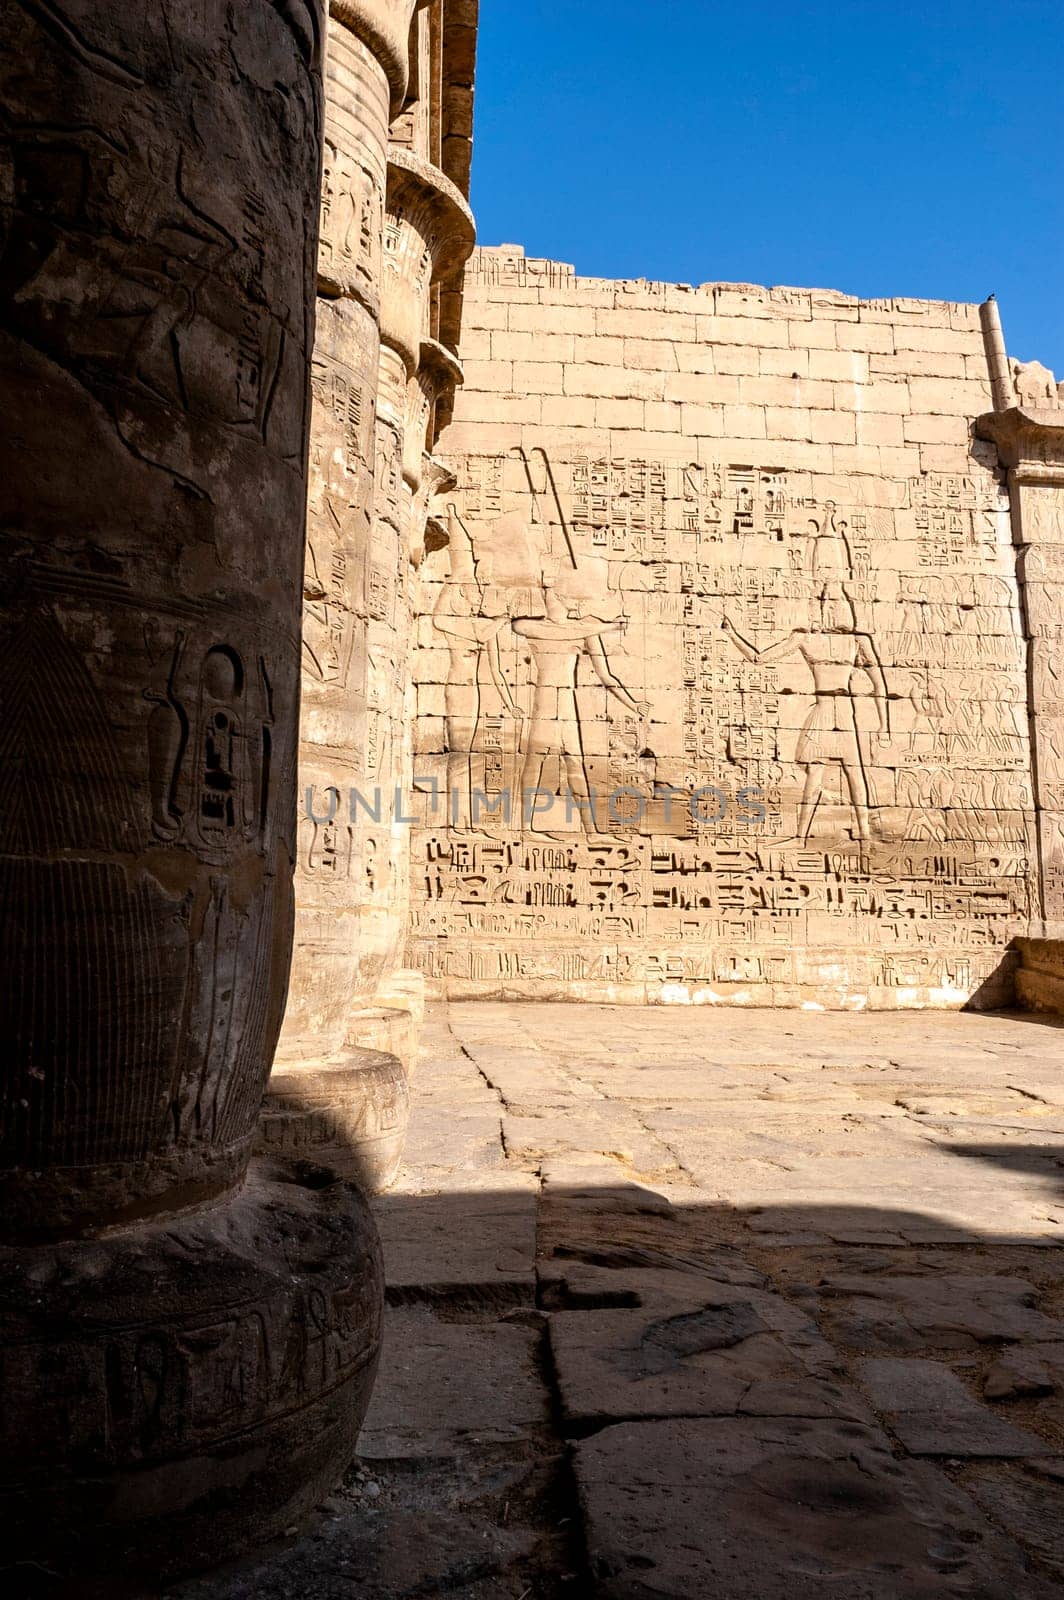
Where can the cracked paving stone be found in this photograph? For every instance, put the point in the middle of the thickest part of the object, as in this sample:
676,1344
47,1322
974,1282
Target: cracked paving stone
576,1285
932,1413
718,1351
1027,1372
753,1509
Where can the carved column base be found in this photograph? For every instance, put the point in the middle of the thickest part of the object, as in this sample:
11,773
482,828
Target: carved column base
392,1029
405,988
1040,977
179,1392
350,1114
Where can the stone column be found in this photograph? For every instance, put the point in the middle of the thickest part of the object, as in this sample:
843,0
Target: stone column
187,1343
1030,443
325,1097
393,230
429,235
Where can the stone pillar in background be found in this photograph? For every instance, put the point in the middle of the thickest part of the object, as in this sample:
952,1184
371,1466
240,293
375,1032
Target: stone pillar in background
187,1344
395,231
1029,435
429,236
326,1097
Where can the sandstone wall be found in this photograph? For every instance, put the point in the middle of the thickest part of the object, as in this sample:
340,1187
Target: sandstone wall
732,537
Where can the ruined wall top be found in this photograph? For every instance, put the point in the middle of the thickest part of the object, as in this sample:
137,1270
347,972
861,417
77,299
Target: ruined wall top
506,267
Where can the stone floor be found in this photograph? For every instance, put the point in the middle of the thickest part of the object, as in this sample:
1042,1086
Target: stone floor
695,1304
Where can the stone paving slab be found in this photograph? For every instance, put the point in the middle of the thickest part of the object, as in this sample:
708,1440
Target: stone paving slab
730,1351
892,1312
1028,1504
749,1508
481,1242
759,1306
444,1387
931,1413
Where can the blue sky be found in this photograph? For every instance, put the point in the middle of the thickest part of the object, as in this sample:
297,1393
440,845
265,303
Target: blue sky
861,145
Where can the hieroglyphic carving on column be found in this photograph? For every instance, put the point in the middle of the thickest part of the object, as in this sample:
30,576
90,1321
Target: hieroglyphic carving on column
365,71
158,229
372,425
769,728
155,315
428,236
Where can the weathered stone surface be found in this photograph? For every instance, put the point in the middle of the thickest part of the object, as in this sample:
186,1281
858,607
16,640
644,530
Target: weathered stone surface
1025,1374
714,1352
392,1029
933,1413
1027,1506
936,1311
573,1285
350,1114
380,1556
448,1386
195,1384
750,1508
646,1285
483,1240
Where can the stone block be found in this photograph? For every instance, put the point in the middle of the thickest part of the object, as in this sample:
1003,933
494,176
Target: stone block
540,345
820,335
594,350
933,1414
654,355
790,422
842,366
751,1508
745,422
446,1388
834,427
476,1241
538,377
711,1351
568,411
622,415
925,429
614,383
705,421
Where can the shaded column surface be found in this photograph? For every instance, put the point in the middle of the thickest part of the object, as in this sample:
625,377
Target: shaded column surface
395,229
186,1344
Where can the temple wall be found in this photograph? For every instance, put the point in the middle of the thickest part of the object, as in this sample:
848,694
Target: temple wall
727,568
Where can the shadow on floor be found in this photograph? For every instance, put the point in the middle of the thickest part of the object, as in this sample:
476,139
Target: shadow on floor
598,1383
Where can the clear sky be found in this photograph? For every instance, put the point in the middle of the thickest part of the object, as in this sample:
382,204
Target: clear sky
875,147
